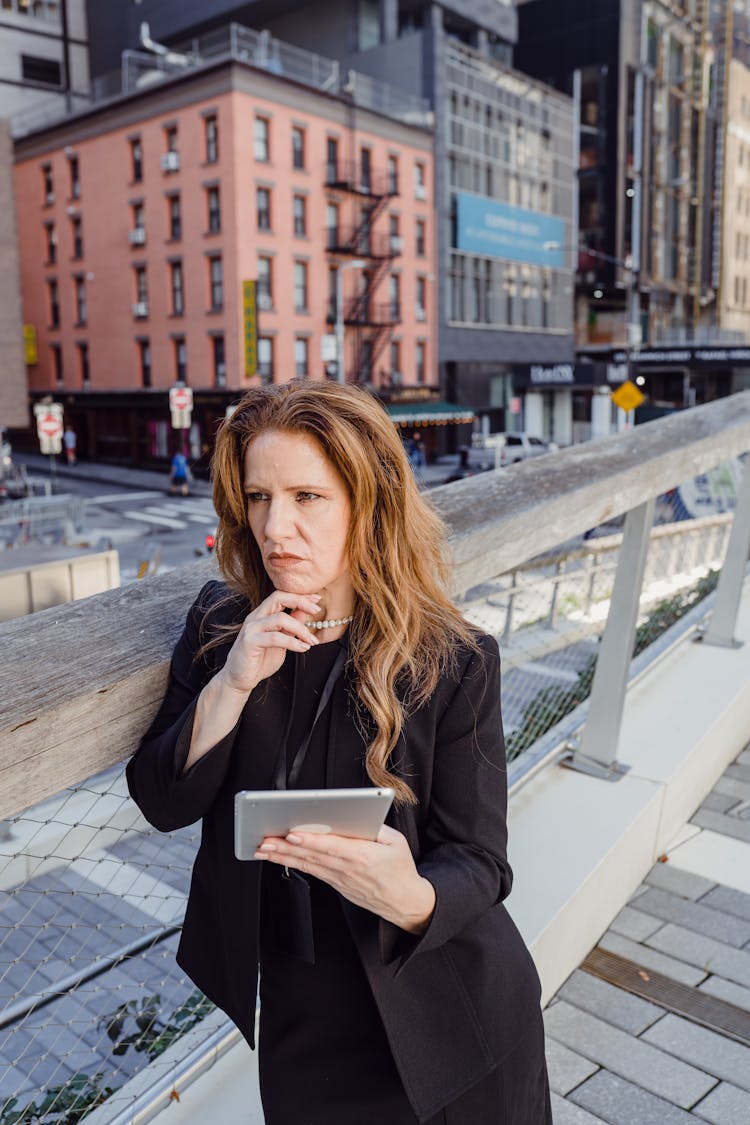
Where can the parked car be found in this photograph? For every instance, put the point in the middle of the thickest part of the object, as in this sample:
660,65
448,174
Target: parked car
512,447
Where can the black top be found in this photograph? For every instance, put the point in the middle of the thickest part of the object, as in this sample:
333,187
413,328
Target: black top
303,676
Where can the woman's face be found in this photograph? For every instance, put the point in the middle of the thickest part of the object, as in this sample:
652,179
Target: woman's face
299,512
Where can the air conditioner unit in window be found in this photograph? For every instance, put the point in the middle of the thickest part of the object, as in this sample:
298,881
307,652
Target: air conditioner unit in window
49,197
421,314
397,244
264,301
138,236
170,162
140,309
420,191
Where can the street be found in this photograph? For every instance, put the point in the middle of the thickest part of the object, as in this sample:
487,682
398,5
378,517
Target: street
143,525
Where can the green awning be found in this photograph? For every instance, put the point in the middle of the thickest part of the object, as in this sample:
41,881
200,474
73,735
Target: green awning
429,413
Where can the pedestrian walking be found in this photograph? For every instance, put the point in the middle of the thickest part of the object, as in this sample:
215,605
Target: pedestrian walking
69,443
179,475
394,985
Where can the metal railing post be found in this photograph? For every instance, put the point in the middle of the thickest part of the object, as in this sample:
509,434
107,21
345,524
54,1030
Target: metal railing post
728,593
597,749
509,608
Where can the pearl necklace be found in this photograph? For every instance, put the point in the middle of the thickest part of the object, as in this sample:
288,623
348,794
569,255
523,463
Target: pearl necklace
333,623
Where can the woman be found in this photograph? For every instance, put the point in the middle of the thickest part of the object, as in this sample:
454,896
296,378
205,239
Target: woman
394,986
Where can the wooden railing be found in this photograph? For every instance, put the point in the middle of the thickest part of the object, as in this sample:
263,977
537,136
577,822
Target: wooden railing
79,683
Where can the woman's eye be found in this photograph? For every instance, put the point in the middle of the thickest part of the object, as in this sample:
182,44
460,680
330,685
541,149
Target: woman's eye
307,496
254,497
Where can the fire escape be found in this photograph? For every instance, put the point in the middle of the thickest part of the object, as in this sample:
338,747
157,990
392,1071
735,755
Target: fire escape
373,322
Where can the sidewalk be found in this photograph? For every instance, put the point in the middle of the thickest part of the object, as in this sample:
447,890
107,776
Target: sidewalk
654,1027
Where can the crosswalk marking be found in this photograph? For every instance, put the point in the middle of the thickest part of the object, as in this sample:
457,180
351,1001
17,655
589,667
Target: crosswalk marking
171,513
117,496
146,517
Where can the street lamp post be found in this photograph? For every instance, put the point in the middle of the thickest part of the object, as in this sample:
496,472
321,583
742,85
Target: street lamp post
355,264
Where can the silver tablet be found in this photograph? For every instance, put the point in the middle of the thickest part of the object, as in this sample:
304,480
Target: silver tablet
275,812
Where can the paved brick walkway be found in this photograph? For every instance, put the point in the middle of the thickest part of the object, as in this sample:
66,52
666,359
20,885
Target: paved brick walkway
673,1046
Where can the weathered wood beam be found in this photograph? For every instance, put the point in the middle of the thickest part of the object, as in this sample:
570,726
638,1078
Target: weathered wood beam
80,682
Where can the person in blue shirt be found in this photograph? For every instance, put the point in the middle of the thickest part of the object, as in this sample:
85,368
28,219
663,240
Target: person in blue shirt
179,475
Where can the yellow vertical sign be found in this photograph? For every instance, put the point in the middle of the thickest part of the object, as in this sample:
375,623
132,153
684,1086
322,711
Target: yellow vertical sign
250,322
29,345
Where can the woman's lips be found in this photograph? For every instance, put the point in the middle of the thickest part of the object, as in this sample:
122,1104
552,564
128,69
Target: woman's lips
284,561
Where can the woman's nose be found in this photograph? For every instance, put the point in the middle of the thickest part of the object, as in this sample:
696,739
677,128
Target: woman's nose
278,521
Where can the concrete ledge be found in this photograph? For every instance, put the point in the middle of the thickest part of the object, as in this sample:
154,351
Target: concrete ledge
580,847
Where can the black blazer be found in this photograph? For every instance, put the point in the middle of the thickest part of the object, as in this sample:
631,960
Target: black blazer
455,1000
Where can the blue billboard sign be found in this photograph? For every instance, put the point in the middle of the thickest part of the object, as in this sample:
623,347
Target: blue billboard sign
485,226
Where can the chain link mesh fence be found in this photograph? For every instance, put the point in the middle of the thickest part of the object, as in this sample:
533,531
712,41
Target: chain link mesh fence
91,898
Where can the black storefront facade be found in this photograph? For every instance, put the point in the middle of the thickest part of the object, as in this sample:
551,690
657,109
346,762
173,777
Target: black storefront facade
566,402
133,428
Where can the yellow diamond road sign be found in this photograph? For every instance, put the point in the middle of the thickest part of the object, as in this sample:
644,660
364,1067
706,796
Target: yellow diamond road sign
627,396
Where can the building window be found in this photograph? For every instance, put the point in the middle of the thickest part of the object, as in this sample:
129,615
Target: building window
178,296
332,226
220,363
51,234
263,208
170,136
48,186
175,217
45,72
365,369
421,298
212,140
83,363
395,362
265,358
332,160
57,364
214,210
393,175
298,147
264,287
80,289
216,279
141,285
144,359
75,177
301,354
262,139
54,304
365,231
365,169
300,286
420,182
333,292
138,223
394,296
421,244
180,359
77,229
421,370
299,215
136,159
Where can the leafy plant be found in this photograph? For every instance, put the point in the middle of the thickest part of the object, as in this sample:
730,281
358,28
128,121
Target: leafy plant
134,1024
66,1104
150,1034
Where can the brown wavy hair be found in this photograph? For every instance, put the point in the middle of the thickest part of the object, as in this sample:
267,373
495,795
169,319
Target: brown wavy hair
406,631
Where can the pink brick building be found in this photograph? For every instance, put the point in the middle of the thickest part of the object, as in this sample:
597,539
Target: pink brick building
140,220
